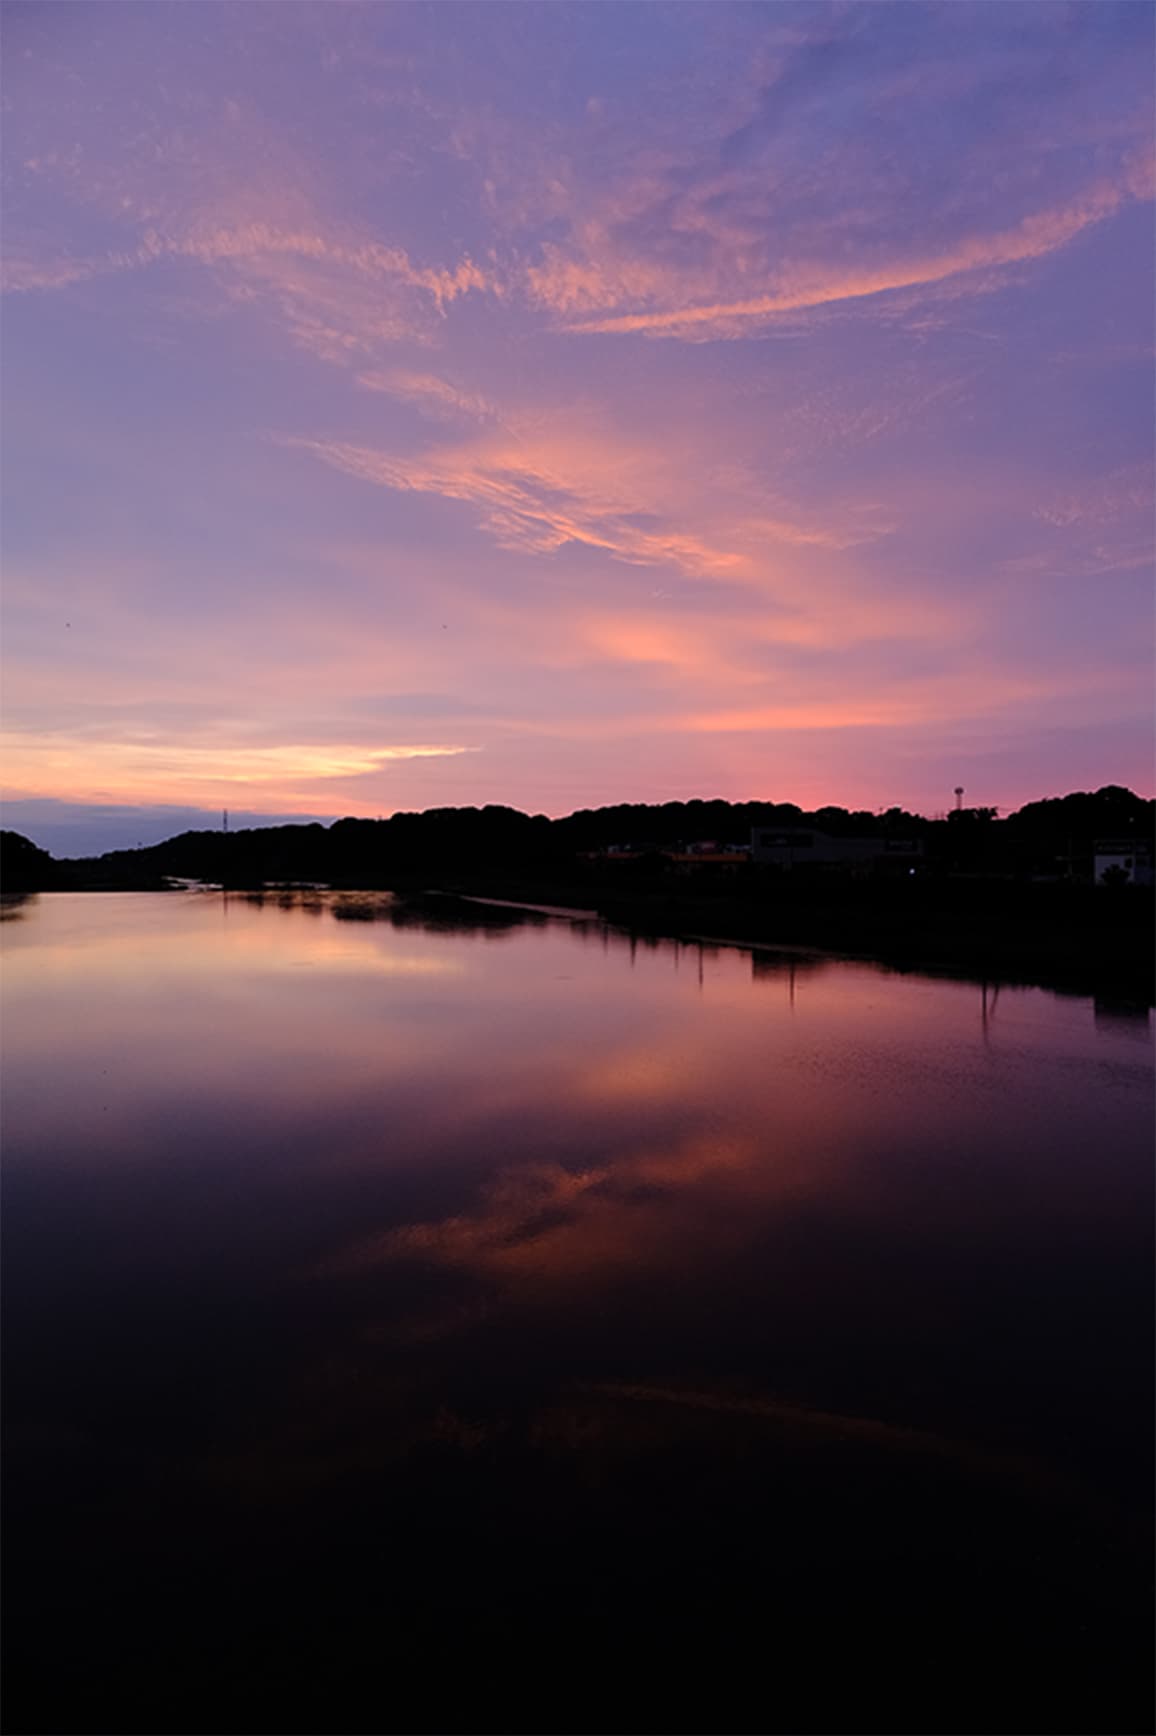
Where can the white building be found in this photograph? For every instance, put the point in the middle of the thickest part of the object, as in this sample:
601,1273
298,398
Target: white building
1122,860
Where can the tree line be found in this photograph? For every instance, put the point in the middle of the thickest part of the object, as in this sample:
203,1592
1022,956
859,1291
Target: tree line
1042,837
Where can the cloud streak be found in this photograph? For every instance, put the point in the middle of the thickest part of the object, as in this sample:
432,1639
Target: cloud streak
528,505
804,289
537,489
116,770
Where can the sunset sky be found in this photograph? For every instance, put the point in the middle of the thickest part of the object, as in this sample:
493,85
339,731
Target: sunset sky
563,404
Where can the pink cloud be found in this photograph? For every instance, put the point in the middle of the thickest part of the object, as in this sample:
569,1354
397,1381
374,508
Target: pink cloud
806,287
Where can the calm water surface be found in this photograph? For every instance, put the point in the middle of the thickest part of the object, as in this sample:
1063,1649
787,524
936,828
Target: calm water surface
438,1319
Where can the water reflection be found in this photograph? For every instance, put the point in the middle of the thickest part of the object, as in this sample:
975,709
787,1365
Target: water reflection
14,905
1122,1017
402,1302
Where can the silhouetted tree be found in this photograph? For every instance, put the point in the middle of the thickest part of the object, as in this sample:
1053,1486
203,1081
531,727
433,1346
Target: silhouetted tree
24,866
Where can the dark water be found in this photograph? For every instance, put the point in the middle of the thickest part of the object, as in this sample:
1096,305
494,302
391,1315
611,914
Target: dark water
448,1321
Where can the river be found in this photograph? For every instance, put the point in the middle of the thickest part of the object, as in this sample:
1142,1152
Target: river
422,1316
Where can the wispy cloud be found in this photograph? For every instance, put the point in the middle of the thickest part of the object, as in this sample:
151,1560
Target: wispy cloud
343,300
540,483
1105,500
713,242
436,397
53,763
804,288
529,503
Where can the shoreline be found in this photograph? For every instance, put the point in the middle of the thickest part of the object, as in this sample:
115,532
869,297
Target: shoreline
1077,940
981,945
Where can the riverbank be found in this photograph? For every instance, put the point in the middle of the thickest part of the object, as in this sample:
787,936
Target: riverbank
1081,939
1071,937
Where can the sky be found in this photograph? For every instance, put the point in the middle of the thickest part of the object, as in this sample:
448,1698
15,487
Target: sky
565,404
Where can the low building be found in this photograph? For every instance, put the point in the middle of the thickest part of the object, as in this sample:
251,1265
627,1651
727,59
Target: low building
621,852
1121,861
697,858
804,847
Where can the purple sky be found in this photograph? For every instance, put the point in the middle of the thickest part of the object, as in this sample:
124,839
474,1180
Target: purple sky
567,404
